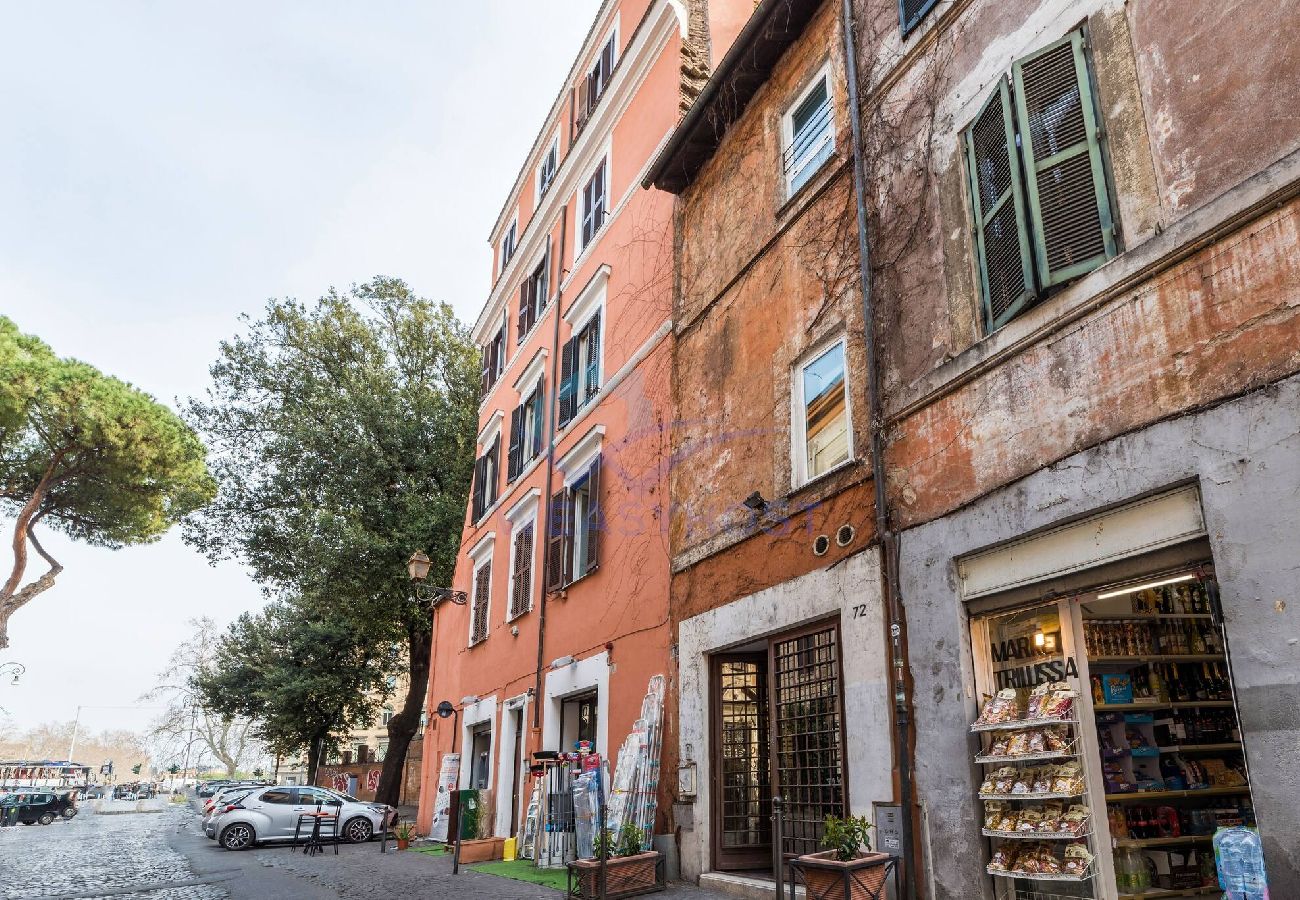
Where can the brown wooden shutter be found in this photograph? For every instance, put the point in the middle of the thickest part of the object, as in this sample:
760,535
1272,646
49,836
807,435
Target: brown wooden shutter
492,489
544,293
485,366
482,585
522,323
1068,201
594,522
998,204
523,581
556,542
593,357
539,414
477,504
515,455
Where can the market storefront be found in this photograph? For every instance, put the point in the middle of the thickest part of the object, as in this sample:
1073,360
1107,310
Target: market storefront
1144,590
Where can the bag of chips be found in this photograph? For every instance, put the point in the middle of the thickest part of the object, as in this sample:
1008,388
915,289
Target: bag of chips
1004,857
1001,740
1057,738
1036,741
1059,704
1030,819
1024,782
1019,744
1068,779
1077,859
994,810
1004,779
1034,710
1044,778
1053,810
1076,818
1002,707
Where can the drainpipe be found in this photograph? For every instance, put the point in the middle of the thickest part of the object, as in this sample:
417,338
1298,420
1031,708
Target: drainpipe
544,502
876,418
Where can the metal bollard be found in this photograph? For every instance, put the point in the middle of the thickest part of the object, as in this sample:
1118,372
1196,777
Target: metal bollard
778,858
383,837
602,844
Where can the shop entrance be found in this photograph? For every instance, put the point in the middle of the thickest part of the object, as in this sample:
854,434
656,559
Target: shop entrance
1152,733
777,713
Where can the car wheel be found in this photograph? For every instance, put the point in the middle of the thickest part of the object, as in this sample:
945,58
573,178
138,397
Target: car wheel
238,836
69,813
46,818
358,830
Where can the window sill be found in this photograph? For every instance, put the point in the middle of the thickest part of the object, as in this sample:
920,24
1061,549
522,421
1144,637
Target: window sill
816,480
818,181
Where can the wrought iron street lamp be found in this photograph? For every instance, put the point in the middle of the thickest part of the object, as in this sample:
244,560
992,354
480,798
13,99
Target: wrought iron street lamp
418,567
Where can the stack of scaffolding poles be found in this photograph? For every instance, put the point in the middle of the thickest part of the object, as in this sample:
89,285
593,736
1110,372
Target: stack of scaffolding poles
652,711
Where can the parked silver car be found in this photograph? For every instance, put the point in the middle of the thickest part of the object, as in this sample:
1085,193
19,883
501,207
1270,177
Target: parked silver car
271,814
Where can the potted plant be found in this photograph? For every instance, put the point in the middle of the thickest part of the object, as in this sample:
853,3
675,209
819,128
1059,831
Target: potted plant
848,870
404,832
629,870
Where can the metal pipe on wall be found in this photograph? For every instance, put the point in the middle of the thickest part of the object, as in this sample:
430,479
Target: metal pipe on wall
895,609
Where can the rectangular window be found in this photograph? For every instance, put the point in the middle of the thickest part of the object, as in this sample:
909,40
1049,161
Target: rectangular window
478,628
911,12
521,579
485,479
808,133
579,370
508,244
573,541
593,85
823,438
533,297
594,203
546,171
1040,204
388,716
579,717
493,360
525,433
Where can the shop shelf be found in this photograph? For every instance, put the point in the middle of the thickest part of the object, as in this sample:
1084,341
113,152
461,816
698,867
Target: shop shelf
1201,748
1037,836
1028,757
1023,723
1050,795
1146,796
1165,842
1162,657
1153,893
1147,617
1034,876
1181,704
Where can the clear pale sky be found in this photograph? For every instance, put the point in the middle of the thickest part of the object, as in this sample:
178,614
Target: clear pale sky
167,166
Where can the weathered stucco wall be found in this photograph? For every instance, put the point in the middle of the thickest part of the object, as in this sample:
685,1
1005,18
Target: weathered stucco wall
1245,456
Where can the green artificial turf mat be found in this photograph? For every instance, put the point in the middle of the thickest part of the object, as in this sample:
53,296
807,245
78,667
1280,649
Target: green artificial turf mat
524,870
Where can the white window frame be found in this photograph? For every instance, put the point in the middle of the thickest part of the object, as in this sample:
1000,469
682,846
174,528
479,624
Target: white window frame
586,306
580,211
799,416
508,237
481,555
552,150
787,129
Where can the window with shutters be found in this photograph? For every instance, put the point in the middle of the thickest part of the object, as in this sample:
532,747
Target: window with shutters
808,132
573,538
493,361
521,571
509,241
594,204
533,297
548,168
1039,199
486,482
911,12
478,626
580,365
526,432
592,86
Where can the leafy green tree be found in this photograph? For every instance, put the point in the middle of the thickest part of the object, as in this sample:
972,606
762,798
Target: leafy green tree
88,455
303,679
342,435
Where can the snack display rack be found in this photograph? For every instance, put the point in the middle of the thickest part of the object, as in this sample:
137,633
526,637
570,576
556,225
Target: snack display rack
1075,871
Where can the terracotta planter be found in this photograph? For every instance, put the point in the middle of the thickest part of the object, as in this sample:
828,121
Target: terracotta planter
625,876
402,844
484,850
826,878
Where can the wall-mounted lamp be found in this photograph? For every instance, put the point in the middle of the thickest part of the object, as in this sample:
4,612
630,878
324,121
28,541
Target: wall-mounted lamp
468,701
755,502
562,662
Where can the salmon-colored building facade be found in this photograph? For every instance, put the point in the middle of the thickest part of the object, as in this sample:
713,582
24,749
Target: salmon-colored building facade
564,557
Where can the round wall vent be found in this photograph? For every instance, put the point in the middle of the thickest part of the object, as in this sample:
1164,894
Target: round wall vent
821,544
845,535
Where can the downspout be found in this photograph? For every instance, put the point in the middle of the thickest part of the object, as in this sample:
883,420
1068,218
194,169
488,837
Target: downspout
544,502
876,420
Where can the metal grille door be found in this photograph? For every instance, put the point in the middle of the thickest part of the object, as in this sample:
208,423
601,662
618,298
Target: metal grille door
809,744
745,793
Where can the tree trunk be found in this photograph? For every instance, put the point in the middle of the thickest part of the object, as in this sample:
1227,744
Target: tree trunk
406,723
313,757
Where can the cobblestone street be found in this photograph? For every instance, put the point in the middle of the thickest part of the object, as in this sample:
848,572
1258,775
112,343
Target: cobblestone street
163,856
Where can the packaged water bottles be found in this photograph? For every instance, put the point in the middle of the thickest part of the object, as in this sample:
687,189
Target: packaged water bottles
1239,856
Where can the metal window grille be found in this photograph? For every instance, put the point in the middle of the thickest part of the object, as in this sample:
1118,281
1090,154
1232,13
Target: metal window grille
809,755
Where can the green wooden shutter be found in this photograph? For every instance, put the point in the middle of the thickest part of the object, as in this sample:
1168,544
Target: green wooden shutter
594,521
477,505
998,203
1068,202
491,490
568,381
523,323
556,542
515,457
593,359
539,413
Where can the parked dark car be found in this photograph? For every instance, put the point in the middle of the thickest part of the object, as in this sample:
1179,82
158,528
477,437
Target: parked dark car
43,807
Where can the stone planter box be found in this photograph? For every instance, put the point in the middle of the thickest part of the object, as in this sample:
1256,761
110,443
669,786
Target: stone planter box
483,850
826,878
625,876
